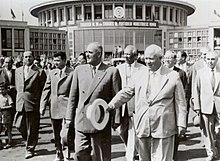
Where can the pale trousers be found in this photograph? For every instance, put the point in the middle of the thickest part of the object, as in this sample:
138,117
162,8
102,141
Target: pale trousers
208,133
132,144
156,149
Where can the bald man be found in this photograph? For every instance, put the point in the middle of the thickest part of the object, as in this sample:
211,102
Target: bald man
91,81
160,107
126,129
207,102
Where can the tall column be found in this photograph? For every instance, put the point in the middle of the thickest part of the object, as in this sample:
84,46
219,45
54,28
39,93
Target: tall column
43,19
46,18
144,12
161,14
51,17
93,12
134,11
64,15
58,17
153,12
113,7
83,12
179,21
73,14
103,11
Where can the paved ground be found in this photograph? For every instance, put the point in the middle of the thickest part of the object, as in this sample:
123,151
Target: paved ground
191,149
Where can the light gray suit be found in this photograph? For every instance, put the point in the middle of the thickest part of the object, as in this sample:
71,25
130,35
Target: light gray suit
159,114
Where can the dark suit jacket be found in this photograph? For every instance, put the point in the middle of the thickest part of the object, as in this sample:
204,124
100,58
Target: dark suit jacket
11,83
182,75
29,90
56,90
85,89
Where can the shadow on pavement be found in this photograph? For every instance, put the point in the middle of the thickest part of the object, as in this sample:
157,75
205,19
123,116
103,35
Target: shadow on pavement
117,154
116,140
45,152
191,154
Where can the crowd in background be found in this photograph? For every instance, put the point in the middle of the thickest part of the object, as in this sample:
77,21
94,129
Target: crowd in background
150,124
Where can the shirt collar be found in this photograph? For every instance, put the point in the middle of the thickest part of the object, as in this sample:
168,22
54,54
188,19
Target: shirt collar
64,69
97,66
157,71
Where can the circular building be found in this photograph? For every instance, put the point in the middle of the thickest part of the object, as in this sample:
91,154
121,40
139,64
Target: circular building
113,23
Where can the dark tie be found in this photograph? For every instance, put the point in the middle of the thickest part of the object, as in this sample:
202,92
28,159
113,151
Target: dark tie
213,79
60,73
94,70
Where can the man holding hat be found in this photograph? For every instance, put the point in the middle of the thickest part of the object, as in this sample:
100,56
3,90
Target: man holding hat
90,82
160,107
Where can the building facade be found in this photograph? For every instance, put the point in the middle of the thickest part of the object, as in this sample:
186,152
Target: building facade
17,37
114,23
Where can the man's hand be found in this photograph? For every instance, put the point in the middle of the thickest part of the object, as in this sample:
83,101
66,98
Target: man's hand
181,131
42,112
110,108
67,123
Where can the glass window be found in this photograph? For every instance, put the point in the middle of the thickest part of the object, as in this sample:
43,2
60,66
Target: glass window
177,16
48,15
139,40
157,13
98,12
171,14
78,13
97,35
61,12
148,12
69,13
129,12
6,38
19,39
138,12
128,37
108,11
88,13
108,39
164,13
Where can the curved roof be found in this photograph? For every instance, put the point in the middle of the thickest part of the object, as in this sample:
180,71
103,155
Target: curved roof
35,9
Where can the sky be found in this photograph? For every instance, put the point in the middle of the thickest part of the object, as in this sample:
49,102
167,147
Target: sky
203,15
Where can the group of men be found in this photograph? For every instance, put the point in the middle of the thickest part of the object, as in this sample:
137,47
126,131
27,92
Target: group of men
147,104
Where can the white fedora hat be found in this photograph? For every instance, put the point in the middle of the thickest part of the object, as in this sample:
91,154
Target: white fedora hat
97,114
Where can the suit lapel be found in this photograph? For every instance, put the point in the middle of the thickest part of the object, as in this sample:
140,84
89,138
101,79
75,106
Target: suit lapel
217,80
32,71
101,72
163,80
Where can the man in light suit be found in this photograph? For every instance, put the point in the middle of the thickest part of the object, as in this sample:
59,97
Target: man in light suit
207,103
126,129
91,81
56,92
29,82
197,66
160,107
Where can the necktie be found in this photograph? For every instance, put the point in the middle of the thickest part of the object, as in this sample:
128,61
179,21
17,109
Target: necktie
148,85
60,73
213,79
94,70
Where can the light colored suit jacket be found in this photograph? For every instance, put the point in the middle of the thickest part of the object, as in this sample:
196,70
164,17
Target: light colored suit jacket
204,97
29,90
85,89
165,110
56,90
123,73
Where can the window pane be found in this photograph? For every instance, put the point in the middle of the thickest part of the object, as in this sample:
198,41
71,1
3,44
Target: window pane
148,12
98,12
129,11
78,13
108,11
88,13
138,12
